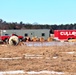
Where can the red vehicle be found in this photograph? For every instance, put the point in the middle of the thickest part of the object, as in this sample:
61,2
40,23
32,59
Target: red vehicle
64,34
5,38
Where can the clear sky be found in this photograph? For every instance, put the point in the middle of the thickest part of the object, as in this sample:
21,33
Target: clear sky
40,11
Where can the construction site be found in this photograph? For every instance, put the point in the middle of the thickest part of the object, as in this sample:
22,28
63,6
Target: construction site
37,37
37,56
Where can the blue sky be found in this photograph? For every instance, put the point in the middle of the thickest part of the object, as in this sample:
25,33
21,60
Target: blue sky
40,11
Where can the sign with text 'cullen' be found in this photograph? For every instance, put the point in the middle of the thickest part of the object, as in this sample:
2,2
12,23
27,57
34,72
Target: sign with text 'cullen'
68,33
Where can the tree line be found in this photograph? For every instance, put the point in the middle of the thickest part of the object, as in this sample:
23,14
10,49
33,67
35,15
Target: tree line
14,25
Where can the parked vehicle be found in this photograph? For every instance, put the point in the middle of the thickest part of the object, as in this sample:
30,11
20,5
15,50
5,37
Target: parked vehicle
5,38
64,34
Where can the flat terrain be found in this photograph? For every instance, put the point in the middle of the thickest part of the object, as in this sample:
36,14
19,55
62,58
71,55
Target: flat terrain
44,58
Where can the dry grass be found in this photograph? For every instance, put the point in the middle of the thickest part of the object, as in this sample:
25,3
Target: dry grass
43,74
63,63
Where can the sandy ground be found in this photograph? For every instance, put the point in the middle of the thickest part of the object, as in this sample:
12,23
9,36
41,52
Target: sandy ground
45,58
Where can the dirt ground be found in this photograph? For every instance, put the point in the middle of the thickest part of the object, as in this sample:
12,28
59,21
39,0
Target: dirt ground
49,58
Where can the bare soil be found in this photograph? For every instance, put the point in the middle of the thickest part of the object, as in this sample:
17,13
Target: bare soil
50,58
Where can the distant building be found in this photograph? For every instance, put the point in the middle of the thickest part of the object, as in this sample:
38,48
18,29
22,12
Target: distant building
45,33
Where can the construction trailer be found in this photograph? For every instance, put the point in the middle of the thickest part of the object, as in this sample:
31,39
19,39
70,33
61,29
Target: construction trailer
45,33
